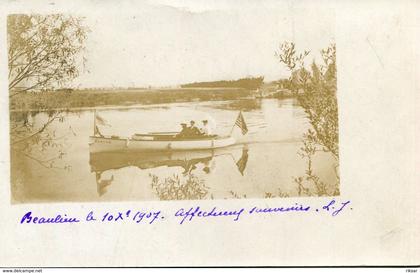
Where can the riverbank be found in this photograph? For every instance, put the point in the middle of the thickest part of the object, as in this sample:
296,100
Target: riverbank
101,98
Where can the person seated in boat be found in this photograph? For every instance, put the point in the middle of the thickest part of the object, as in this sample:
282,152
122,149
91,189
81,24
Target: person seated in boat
185,131
194,131
205,130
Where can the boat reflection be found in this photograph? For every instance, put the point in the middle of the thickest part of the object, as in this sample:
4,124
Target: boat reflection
191,162
101,183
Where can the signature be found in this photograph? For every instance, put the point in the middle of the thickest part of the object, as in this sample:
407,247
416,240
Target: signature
187,214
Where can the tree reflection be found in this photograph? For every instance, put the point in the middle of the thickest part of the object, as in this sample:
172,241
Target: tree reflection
310,184
38,142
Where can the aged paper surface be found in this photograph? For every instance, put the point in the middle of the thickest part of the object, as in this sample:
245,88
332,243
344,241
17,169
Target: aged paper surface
196,133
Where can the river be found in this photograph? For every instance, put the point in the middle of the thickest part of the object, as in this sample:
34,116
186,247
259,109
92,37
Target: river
264,163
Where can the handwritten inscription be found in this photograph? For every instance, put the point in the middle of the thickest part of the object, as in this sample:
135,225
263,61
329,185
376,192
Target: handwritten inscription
58,219
138,217
198,212
280,209
182,215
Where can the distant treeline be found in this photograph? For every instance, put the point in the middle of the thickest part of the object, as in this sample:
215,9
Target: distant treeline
68,99
246,83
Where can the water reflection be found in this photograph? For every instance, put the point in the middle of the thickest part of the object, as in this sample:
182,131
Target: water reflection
240,105
186,185
268,170
102,184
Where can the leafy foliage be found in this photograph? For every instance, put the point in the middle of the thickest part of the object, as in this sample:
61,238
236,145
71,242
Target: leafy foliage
176,188
43,54
316,91
43,50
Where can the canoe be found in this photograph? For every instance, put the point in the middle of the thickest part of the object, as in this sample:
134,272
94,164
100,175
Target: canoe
156,142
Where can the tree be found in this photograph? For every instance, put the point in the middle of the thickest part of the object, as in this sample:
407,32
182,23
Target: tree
318,96
43,50
44,53
316,92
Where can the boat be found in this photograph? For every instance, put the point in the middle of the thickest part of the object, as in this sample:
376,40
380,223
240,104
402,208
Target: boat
156,142
159,141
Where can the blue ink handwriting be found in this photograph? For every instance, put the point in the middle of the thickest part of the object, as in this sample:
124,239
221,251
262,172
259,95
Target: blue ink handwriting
334,210
58,219
197,212
183,215
296,207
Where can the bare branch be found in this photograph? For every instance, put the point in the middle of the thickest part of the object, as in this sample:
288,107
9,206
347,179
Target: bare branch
50,120
42,49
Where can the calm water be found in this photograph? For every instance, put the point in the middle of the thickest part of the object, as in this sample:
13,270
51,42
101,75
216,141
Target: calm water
263,163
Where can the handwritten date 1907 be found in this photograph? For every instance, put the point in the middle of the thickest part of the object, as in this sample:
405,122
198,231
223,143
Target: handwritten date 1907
136,217
128,215
332,207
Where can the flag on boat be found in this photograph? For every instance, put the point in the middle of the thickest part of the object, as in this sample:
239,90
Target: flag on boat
96,131
100,120
240,122
241,164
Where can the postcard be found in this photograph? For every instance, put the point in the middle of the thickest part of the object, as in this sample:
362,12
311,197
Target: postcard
209,133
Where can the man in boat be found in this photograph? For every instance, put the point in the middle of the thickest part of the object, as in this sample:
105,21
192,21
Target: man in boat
194,131
185,131
205,130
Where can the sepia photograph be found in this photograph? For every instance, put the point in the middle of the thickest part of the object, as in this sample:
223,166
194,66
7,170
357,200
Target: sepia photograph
168,104
194,133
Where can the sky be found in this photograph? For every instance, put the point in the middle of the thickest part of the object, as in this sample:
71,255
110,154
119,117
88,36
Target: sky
167,43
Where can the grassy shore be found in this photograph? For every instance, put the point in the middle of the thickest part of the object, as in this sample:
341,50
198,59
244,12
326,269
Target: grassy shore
95,98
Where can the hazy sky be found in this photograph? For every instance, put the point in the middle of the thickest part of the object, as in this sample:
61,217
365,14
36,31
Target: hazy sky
162,45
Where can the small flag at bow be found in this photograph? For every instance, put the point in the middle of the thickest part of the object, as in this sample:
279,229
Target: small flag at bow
240,122
100,120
